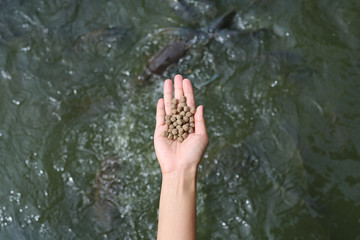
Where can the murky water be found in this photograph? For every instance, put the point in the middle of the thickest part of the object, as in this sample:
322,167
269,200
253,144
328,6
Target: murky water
281,107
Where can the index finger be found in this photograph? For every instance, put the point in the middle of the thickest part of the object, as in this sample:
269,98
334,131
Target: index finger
189,92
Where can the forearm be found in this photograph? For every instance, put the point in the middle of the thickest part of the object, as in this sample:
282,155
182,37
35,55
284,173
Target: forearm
177,210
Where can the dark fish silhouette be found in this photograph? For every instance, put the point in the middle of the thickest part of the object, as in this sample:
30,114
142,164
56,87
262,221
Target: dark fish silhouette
167,56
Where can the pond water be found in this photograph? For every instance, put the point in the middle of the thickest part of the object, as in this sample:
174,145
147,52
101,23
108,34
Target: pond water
281,106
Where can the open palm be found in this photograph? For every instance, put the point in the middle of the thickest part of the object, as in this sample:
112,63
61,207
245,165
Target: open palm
173,156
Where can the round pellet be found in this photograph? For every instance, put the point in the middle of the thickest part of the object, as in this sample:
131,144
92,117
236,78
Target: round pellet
192,124
185,127
165,133
180,139
179,109
178,117
173,111
178,127
174,131
186,109
175,124
170,136
174,137
179,122
188,114
183,104
191,130
183,99
192,110
167,117
191,119
182,113
174,101
186,119
173,106
181,131
168,122
171,126
173,119
184,135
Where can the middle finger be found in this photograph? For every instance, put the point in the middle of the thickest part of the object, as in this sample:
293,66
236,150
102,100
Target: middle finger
178,87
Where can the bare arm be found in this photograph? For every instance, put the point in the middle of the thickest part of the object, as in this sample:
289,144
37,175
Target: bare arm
179,163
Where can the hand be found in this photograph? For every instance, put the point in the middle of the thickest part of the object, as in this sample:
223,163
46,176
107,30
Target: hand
173,156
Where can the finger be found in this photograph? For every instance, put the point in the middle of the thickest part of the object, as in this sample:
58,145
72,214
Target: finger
178,86
188,93
200,127
160,113
167,96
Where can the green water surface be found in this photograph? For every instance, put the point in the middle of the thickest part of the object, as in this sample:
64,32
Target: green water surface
282,115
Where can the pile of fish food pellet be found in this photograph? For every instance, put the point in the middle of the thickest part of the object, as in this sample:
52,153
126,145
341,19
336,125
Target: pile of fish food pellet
181,122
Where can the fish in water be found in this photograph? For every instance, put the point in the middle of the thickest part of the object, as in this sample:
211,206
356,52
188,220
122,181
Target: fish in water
167,56
222,22
174,51
104,193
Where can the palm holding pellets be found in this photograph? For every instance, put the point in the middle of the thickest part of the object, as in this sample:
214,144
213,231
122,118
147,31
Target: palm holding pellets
181,122
176,115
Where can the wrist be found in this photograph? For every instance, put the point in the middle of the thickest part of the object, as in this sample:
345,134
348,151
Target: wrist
179,181
180,173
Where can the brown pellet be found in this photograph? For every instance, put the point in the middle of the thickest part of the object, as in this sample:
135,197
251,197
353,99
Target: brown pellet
170,136
191,119
173,111
186,128
192,124
174,131
174,101
184,135
168,122
188,114
179,109
192,110
173,106
182,113
165,133
173,119
180,139
191,130
186,109
183,104
186,119
183,99
179,122
167,117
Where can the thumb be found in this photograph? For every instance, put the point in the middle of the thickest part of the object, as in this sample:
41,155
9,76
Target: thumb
200,127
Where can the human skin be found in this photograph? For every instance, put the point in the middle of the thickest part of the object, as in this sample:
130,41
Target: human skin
178,163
